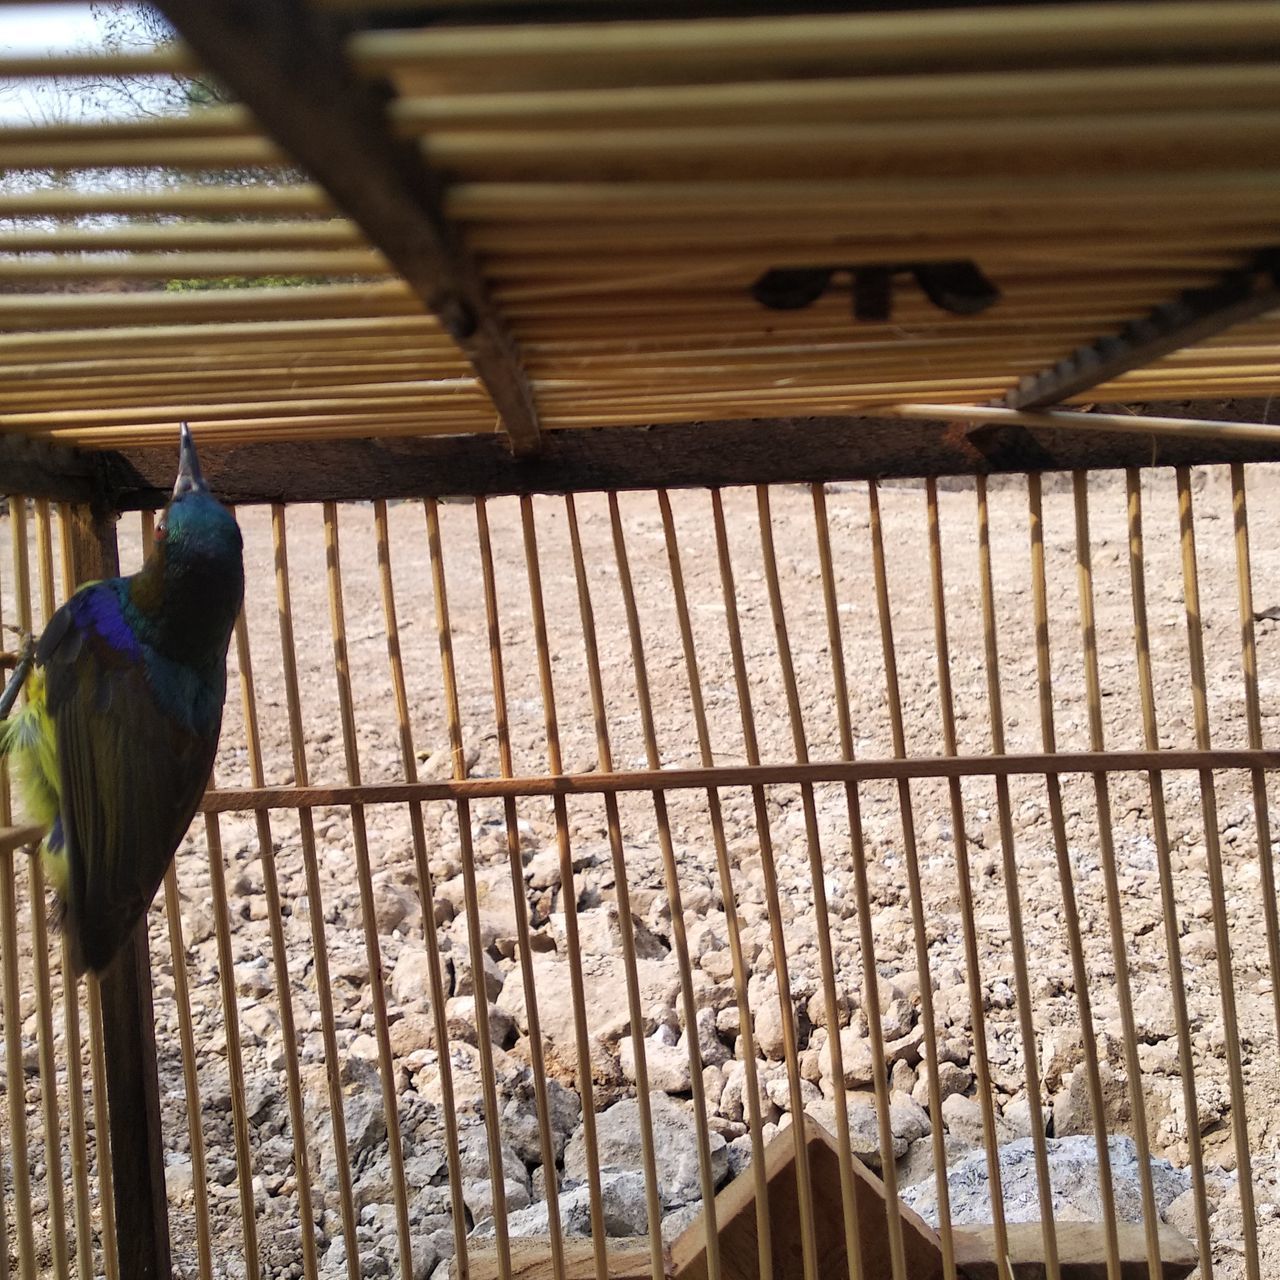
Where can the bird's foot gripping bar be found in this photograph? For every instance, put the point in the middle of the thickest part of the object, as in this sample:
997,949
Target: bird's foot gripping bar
27,655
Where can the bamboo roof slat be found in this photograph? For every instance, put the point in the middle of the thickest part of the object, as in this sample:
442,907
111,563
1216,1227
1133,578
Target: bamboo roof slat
168,153
183,265
620,186
285,199
1008,149
191,237
1089,90
710,49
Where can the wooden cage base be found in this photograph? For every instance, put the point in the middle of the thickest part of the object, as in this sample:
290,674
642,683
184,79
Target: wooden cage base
1081,1246
1081,1252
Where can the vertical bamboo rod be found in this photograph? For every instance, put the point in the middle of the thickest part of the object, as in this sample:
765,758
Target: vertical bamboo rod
493,1134
127,1022
57,1223
186,1030
1066,876
626,924
679,937
16,1089
964,883
537,1062
77,1134
377,985
1119,942
67,517
8,945
804,1179
1168,896
572,948
822,918
279,955
315,913
1217,890
190,1076
862,897
1253,718
231,1026
764,1242
426,889
1004,809
102,1132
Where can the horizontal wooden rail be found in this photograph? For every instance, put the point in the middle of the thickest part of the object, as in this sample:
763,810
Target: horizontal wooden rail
226,800
12,838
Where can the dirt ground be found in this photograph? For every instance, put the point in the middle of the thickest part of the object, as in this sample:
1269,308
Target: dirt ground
395,920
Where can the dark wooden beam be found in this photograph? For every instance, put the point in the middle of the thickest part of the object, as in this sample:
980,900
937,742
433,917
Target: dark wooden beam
779,451
286,63
39,470
1196,314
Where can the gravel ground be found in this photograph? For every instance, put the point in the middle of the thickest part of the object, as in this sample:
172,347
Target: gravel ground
394,913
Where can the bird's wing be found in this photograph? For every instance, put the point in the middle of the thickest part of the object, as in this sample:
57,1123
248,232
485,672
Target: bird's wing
132,776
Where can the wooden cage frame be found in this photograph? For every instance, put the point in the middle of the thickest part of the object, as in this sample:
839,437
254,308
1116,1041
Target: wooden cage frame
528,232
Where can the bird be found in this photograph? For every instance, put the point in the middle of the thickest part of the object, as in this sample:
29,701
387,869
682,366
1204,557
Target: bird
115,743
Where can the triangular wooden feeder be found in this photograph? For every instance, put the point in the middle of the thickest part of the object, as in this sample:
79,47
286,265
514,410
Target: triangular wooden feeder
736,1220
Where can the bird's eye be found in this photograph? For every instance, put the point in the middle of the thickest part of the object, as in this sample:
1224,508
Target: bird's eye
162,530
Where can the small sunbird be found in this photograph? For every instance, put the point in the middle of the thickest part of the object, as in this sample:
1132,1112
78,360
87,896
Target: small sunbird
114,746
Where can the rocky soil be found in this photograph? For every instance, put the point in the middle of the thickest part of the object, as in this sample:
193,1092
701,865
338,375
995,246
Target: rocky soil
387,918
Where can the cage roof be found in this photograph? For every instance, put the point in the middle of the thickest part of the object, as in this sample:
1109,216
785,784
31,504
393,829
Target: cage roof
469,219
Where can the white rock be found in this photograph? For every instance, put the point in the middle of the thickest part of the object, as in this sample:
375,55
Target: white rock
675,1147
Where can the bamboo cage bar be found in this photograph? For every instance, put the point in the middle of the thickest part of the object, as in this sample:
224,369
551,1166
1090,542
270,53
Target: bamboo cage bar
15,1086
626,923
1088,631
875,1027
853,1243
511,822
545,679
77,1136
1062,854
106,1181
271,889
804,1185
1022,983
333,1068
679,937
186,1030
763,1229
342,673
425,881
1249,665
235,1061
982,1068
497,1175
865,769
52,1129
1151,737
1209,807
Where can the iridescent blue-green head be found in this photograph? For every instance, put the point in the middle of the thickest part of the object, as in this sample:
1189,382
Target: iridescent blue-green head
189,591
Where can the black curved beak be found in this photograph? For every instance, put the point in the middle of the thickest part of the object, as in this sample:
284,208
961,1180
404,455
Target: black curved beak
189,478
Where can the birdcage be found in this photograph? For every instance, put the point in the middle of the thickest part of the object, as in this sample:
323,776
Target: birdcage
747,748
